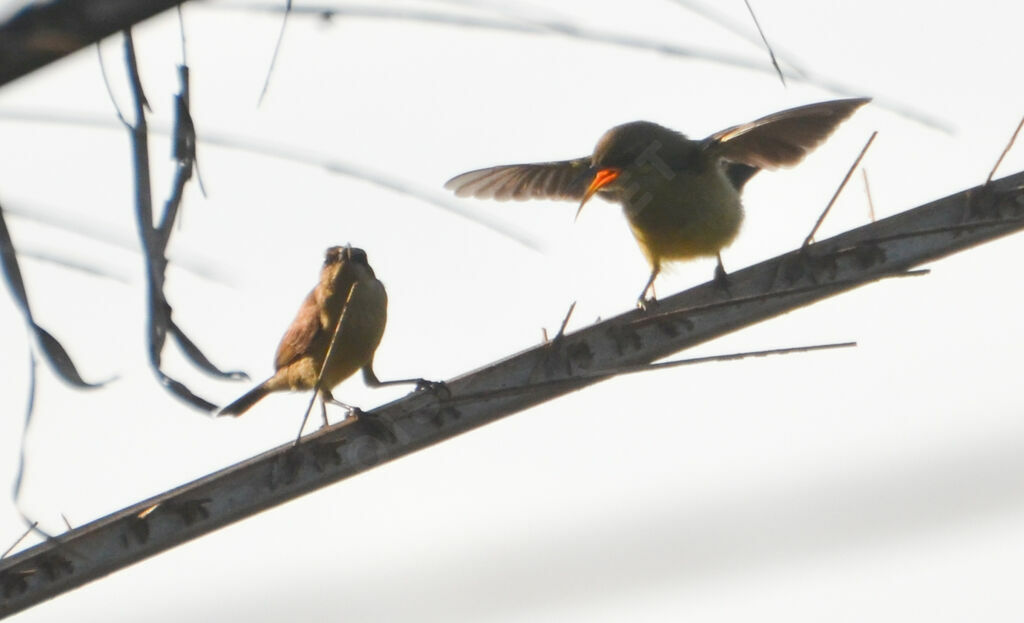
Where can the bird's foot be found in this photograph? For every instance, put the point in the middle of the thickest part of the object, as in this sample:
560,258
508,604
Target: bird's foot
378,427
721,280
646,304
439,389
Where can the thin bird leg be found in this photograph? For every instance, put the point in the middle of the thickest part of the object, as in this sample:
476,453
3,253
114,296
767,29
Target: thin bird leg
379,427
643,302
721,277
329,397
437,387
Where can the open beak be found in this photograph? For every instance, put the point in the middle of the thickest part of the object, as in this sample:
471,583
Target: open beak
601,179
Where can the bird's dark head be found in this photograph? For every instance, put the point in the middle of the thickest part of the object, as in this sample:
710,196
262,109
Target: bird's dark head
336,255
633,144
628,149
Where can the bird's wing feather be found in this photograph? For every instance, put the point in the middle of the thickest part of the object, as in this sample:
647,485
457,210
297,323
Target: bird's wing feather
564,179
298,340
782,139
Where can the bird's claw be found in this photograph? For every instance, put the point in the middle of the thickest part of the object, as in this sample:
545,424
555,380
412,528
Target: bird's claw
378,426
721,280
646,304
437,388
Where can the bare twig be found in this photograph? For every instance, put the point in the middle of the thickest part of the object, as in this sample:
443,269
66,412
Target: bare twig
277,50
529,26
733,302
110,90
561,329
155,238
565,321
98,232
737,28
842,185
888,247
323,366
635,369
867,192
54,353
21,538
381,179
771,53
1006,150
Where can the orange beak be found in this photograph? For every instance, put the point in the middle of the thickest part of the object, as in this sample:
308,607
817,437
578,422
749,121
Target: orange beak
602,179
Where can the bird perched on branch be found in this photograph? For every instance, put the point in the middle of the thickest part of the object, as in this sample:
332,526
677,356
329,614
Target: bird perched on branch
341,320
680,196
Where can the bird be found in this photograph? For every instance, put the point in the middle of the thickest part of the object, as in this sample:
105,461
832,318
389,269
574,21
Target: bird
680,196
341,320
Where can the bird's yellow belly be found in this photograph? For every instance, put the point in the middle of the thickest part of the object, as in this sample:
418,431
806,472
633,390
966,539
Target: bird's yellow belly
362,327
693,217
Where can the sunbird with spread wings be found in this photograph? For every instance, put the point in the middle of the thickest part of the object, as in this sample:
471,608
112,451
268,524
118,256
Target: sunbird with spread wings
680,196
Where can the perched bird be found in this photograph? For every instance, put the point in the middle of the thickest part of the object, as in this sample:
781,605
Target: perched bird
348,301
680,196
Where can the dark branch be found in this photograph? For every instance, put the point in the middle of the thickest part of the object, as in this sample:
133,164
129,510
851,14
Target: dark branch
888,247
155,238
44,32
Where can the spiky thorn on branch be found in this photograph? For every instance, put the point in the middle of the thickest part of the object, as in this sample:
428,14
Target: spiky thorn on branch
888,248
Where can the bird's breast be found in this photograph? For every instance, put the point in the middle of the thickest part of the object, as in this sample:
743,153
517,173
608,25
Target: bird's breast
691,213
362,322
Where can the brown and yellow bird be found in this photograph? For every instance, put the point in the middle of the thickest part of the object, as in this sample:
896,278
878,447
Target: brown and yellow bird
349,300
680,196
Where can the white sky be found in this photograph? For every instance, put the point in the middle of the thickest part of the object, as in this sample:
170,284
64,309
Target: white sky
882,483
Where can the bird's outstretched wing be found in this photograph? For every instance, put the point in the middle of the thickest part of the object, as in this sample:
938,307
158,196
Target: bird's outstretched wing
782,139
564,179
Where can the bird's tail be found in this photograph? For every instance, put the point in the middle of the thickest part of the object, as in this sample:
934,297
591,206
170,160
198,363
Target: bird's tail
247,400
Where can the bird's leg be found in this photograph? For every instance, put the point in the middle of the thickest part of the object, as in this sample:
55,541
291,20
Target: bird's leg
327,396
379,427
721,277
643,302
438,388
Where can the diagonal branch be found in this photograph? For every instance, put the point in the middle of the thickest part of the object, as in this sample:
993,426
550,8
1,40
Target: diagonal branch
43,32
889,247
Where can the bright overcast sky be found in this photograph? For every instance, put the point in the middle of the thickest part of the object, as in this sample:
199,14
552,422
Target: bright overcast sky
881,483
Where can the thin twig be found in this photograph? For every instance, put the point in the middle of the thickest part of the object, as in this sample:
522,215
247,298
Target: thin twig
771,53
738,301
1006,150
573,31
277,49
181,31
735,27
422,418
327,357
867,191
565,321
824,213
154,243
382,179
110,90
634,369
21,538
